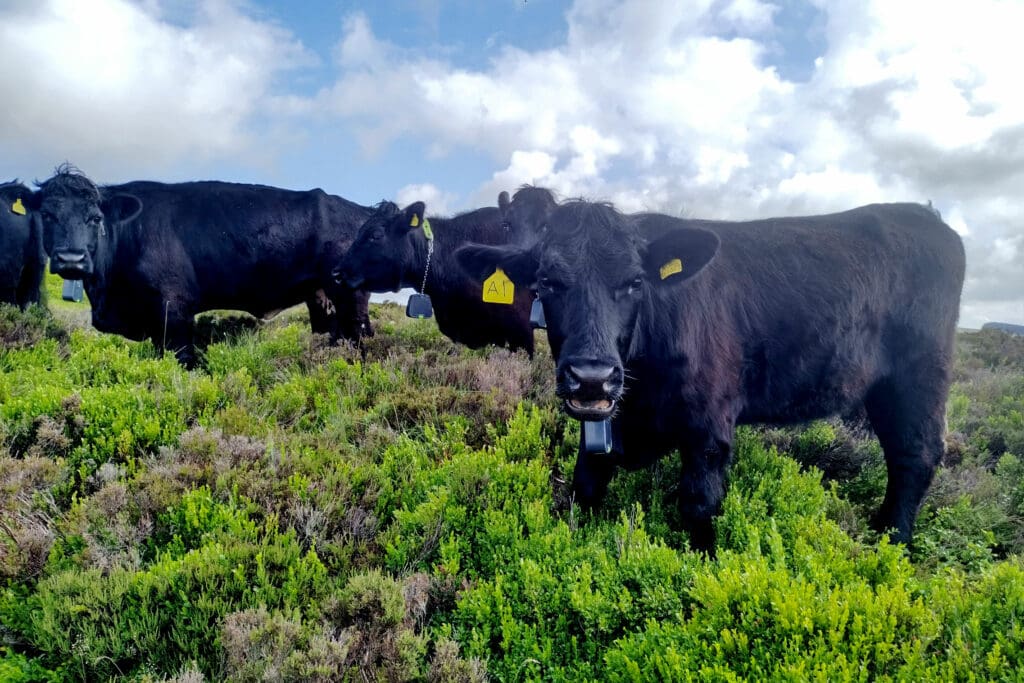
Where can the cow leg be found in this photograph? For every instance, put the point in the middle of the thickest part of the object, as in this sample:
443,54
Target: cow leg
702,488
30,286
177,334
909,419
180,341
322,314
353,311
362,304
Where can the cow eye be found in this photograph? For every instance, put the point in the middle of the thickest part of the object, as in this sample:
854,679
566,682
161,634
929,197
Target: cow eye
95,220
633,286
550,284
377,235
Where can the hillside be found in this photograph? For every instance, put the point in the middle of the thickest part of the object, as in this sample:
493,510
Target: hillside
294,511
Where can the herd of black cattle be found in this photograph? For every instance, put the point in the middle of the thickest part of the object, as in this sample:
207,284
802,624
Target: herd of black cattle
667,332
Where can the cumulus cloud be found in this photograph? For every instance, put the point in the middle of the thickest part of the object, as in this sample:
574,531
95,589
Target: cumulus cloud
437,200
677,107
107,82
655,105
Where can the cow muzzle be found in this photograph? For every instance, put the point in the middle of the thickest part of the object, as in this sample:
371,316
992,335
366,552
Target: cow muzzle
342,276
590,389
70,264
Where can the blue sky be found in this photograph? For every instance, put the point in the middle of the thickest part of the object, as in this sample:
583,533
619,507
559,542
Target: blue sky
711,108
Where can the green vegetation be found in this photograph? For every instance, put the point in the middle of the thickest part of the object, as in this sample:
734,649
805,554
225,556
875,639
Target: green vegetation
294,511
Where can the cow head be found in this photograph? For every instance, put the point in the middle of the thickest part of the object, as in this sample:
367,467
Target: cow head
597,277
528,210
383,251
75,217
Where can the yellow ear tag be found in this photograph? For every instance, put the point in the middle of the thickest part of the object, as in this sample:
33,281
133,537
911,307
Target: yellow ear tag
17,207
415,220
427,232
671,268
498,289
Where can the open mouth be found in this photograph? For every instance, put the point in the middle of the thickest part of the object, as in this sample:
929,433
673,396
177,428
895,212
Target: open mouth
600,408
70,271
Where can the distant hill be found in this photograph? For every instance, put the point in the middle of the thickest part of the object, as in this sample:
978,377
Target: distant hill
1009,328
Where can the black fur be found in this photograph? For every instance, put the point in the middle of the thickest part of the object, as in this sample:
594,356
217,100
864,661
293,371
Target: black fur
772,321
22,259
152,255
389,254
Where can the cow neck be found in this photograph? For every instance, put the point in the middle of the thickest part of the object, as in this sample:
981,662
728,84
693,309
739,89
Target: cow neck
104,261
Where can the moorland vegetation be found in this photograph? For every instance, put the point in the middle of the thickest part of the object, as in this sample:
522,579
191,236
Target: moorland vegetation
296,511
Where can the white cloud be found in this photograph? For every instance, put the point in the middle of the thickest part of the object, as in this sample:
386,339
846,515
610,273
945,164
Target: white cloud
749,15
438,201
105,82
674,106
656,105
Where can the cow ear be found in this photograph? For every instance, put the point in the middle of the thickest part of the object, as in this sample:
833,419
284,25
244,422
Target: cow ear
679,254
480,261
414,215
503,202
121,208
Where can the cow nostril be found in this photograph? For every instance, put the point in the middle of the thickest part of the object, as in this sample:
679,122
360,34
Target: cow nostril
571,383
593,378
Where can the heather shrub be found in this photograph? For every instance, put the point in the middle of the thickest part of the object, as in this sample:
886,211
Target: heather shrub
401,510
25,329
96,625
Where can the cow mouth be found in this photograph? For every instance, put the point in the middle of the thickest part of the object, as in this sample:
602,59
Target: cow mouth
352,280
70,264
599,409
70,271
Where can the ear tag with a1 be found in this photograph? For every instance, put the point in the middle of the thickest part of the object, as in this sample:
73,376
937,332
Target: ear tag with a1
596,437
498,289
537,320
419,306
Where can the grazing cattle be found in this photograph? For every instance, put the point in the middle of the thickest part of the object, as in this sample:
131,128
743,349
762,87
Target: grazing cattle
678,330
390,252
152,255
22,260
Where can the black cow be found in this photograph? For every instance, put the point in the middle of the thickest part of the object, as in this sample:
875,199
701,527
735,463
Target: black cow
680,329
390,253
22,260
152,255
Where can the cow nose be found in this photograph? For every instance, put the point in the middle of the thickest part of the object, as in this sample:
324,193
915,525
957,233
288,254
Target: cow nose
70,256
70,264
593,378
338,275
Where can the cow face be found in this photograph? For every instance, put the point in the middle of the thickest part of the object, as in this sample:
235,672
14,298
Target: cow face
597,278
383,251
75,219
527,213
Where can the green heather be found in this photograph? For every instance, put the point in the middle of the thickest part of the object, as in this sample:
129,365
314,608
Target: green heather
293,511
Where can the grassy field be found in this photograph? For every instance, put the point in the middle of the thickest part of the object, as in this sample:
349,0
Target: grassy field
293,511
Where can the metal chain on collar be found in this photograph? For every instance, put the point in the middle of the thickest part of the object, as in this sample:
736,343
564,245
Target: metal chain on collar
430,252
